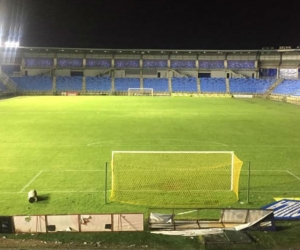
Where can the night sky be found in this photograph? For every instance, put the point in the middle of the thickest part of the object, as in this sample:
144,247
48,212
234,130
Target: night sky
153,24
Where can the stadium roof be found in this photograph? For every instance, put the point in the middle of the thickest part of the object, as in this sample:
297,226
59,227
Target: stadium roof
150,51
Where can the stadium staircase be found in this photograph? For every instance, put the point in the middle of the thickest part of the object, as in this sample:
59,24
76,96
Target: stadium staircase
235,75
275,84
106,72
178,74
10,84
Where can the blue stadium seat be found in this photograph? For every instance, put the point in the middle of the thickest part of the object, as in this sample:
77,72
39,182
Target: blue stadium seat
70,62
288,87
123,84
213,85
181,64
98,63
33,83
125,63
184,84
69,83
211,64
155,63
250,85
157,84
240,64
38,62
98,84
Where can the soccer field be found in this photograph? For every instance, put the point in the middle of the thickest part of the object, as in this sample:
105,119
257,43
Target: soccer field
59,145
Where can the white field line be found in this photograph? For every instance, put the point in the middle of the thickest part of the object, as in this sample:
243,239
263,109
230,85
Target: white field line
73,170
32,180
134,142
293,175
49,191
260,170
274,191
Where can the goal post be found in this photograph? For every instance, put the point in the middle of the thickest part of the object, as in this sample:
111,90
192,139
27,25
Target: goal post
140,91
175,178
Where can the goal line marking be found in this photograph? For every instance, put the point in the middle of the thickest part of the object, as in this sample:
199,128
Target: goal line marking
32,180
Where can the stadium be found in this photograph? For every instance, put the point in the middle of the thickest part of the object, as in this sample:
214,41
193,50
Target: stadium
119,130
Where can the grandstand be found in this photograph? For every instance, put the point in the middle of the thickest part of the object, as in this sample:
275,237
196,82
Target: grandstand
34,71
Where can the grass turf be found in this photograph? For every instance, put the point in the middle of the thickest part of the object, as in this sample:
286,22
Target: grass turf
47,142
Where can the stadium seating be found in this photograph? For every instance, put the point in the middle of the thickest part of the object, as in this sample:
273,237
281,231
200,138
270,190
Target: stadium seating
297,93
250,85
157,84
267,72
184,84
98,84
213,85
98,63
67,83
207,64
123,84
288,87
33,83
125,63
188,64
38,62
70,62
235,64
155,63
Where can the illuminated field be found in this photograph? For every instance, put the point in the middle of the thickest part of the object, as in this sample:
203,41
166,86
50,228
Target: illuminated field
59,145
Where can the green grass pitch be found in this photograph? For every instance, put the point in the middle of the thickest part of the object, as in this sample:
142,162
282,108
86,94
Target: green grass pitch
59,145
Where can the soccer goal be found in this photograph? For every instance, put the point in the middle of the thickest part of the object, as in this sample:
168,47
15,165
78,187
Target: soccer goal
175,178
140,91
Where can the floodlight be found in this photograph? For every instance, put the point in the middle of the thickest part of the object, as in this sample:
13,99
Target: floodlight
12,44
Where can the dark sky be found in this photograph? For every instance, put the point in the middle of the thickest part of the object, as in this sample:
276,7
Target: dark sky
158,24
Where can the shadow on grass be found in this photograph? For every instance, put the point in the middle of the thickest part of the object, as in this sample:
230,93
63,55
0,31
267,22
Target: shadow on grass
45,198
292,225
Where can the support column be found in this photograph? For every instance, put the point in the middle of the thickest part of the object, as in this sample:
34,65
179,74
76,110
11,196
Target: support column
227,86
113,81
170,81
53,84
198,85
84,84
141,79
141,72
113,74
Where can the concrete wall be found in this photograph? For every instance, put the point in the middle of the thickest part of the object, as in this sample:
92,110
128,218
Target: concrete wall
62,72
218,74
95,72
35,72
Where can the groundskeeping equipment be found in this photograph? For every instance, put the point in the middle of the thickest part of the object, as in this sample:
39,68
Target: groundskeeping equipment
175,178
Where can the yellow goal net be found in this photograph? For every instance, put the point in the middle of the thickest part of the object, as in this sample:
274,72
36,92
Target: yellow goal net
175,178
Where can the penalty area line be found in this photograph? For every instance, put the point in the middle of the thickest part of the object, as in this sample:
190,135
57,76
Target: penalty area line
32,180
293,175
